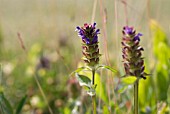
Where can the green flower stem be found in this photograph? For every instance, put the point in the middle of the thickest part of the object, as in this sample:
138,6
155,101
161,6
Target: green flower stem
94,104
136,97
94,96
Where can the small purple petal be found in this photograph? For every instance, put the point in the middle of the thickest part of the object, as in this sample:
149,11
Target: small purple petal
97,31
95,40
87,41
88,33
78,28
94,24
137,37
139,34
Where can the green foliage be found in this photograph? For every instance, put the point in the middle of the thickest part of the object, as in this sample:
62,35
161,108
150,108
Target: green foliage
105,110
106,67
5,106
79,70
86,80
161,50
83,80
128,80
67,110
154,89
101,88
21,104
146,94
125,82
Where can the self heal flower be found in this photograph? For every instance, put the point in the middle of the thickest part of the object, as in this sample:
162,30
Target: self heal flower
132,53
89,35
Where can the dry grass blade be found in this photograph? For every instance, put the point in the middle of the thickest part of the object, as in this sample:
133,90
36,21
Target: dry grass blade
104,20
94,11
21,41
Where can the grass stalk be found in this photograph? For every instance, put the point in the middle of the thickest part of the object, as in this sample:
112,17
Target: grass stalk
1,75
43,94
136,97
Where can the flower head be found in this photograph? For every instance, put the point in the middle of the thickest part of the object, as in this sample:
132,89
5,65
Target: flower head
88,33
128,30
132,55
90,50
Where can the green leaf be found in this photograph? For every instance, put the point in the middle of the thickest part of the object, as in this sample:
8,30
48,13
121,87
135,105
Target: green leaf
83,80
105,110
79,70
106,67
67,110
128,80
5,106
21,104
125,82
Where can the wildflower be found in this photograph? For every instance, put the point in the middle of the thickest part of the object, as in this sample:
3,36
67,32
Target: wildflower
132,53
43,63
90,50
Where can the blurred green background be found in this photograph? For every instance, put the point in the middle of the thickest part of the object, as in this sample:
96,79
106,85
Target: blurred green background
53,51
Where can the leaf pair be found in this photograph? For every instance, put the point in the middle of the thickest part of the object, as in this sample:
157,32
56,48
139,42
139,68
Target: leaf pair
96,68
6,108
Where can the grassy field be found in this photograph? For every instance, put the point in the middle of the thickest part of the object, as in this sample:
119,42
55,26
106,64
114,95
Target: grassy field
52,50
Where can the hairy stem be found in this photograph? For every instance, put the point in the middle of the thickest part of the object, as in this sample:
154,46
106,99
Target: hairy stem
94,96
136,97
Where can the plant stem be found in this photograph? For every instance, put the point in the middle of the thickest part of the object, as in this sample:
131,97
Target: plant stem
136,97
94,104
94,96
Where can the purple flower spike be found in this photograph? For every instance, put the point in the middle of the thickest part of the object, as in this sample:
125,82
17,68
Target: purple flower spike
90,50
132,53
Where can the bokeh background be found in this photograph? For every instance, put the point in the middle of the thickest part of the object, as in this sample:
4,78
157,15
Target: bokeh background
52,50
